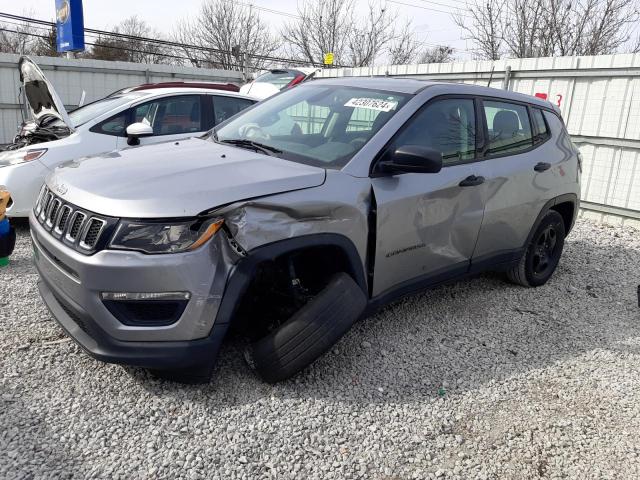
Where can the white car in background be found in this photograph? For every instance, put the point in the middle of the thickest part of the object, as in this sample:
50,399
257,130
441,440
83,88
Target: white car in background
122,120
272,81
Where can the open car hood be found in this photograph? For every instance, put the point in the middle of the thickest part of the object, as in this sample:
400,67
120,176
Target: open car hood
42,99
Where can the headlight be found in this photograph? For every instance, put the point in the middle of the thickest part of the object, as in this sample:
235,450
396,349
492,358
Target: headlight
163,237
13,157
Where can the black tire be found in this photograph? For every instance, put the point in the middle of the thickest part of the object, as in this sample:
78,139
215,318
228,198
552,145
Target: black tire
543,253
310,332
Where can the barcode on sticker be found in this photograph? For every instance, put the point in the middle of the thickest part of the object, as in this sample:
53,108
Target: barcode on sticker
372,104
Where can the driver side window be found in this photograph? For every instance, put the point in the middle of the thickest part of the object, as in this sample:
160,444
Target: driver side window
447,126
172,115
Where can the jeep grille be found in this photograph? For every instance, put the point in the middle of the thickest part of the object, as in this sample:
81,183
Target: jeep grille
82,230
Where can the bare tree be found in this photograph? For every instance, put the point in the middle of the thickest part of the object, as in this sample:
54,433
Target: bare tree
322,27
524,28
437,54
17,38
131,48
46,44
484,28
109,47
610,26
404,48
533,28
225,31
369,36
357,40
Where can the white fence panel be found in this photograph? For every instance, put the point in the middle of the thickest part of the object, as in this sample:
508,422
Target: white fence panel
599,98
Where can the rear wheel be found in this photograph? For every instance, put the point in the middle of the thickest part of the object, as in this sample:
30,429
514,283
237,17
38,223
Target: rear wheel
543,253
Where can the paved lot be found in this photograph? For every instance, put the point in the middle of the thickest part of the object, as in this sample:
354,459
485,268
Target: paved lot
480,379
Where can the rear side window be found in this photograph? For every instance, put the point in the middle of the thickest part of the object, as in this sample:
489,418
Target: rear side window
226,107
447,126
540,126
509,127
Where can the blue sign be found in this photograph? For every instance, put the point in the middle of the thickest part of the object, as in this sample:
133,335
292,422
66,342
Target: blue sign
70,25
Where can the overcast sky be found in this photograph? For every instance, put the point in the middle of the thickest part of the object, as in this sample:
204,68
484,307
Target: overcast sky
431,23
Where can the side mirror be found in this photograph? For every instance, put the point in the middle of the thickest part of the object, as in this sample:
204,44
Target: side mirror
136,131
412,159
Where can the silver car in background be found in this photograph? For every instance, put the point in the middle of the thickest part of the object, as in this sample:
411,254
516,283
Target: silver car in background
299,216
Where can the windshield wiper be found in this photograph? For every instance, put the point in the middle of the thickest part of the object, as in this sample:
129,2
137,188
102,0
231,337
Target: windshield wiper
266,149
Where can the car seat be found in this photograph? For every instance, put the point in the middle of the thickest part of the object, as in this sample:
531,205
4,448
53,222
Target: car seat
506,126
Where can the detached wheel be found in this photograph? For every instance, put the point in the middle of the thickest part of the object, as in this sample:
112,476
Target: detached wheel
543,253
310,332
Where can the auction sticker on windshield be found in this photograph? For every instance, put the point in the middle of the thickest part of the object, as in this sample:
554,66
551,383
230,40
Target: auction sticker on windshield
372,104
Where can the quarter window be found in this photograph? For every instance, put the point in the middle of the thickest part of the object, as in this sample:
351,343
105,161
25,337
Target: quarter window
447,126
115,125
171,116
509,127
542,132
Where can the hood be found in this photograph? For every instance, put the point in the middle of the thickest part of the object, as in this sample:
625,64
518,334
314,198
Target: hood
42,99
176,179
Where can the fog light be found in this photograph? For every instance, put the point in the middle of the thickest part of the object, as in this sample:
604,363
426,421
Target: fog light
152,309
129,296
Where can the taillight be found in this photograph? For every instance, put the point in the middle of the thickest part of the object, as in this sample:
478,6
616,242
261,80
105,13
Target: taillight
295,81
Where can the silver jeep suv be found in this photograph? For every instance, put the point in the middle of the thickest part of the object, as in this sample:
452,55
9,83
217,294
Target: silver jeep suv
297,217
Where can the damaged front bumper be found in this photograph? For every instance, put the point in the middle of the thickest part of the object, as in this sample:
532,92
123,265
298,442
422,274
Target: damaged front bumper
72,286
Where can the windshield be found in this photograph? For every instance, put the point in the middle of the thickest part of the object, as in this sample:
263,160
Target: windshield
279,78
90,111
321,125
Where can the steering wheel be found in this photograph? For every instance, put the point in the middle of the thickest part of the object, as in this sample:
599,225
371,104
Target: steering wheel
253,131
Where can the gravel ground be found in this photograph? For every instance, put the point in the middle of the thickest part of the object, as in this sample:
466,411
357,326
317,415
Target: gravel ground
480,379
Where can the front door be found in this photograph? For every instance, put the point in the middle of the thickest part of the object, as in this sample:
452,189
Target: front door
428,224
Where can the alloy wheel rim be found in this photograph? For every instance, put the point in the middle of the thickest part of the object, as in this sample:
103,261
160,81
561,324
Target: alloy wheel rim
544,250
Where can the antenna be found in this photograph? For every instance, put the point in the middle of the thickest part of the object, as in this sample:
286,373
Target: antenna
493,67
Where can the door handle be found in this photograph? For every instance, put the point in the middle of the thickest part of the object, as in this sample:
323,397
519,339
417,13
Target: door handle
542,166
472,181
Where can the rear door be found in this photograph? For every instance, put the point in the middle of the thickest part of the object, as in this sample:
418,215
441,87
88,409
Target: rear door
428,224
520,172
172,118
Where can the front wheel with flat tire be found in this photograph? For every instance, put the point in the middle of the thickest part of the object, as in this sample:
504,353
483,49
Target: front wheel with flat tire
310,332
543,253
